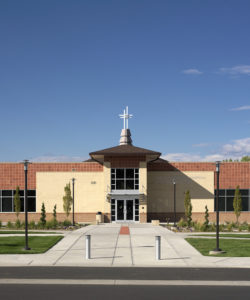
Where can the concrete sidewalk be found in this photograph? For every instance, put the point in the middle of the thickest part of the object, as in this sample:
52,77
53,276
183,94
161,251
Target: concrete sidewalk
109,248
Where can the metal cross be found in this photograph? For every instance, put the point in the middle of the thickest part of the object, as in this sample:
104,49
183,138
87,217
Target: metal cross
125,116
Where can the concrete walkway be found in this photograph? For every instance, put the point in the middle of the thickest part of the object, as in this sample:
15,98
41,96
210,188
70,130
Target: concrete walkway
110,248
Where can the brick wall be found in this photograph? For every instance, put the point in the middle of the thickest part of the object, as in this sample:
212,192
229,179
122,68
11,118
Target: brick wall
12,174
125,161
231,174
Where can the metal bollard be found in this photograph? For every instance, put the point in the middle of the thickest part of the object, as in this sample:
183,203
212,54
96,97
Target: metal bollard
88,246
157,247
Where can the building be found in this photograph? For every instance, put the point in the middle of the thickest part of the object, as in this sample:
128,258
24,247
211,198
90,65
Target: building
125,183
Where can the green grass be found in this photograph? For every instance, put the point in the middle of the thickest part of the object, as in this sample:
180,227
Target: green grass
23,232
38,244
233,235
233,248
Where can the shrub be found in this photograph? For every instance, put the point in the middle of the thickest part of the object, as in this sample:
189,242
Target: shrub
0,223
182,223
212,227
43,215
22,225
32,225
18,224
206,222
66,223
40,225
9,225
49,224
243,226
197,226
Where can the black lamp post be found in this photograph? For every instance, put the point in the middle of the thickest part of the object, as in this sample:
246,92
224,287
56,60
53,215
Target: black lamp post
217,249
174,183
26,163
73,194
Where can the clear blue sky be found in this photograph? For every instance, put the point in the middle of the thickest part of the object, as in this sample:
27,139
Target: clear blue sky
68,68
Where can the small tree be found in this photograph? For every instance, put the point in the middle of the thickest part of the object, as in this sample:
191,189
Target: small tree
43,215
17,202
54,212
189,216
237,204
206,218
67,200
188,207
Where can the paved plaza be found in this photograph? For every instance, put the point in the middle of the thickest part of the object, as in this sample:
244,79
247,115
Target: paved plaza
111,246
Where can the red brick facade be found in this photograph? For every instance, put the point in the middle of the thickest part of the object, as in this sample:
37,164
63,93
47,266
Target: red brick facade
12,174
125,161
231,173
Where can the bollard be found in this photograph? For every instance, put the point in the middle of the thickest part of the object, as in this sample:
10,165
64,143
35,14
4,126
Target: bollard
157,247
88,241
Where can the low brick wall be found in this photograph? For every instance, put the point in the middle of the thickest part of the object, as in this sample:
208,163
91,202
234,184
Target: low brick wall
223,217
79,217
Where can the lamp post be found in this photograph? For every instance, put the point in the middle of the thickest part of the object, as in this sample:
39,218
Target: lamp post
26,163
174,183
73,194
217,249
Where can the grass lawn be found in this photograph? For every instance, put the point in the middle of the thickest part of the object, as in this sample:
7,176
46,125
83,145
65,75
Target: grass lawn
38,244
233,248
23,232
234,235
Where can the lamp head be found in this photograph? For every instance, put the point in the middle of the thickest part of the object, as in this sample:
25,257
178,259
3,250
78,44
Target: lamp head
217,166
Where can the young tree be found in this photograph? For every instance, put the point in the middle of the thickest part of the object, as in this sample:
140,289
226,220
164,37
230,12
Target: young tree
54,212
188,207
206,218
17,202
189,216
43,215
237,204
67,199
187,202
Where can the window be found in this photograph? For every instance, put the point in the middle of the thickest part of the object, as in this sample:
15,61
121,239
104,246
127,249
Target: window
7,200
125,179
226,198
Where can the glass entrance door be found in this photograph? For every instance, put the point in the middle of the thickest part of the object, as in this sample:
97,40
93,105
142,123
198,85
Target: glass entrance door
125,210
120,210
130,210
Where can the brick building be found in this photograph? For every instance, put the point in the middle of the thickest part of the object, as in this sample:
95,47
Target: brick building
125,183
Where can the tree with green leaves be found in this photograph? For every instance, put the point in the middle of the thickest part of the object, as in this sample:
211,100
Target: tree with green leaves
206,218
245,158
67,200
188,207
237,204
54,212
43,215
17,202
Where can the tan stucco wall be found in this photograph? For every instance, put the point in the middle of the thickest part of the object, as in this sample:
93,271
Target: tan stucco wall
161,190
89,190
143,186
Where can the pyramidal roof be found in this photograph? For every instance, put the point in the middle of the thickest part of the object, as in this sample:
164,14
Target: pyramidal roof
127,149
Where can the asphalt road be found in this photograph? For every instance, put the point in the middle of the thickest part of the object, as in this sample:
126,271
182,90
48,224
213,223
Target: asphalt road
68,291
29,292
131,273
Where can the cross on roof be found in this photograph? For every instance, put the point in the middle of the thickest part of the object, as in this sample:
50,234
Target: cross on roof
125,116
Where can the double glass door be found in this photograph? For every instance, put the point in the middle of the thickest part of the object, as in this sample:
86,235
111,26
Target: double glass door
125,210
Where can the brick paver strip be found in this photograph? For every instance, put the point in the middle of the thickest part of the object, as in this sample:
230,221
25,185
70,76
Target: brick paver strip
124,230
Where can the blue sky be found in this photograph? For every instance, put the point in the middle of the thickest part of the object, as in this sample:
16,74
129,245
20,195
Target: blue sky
69,68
